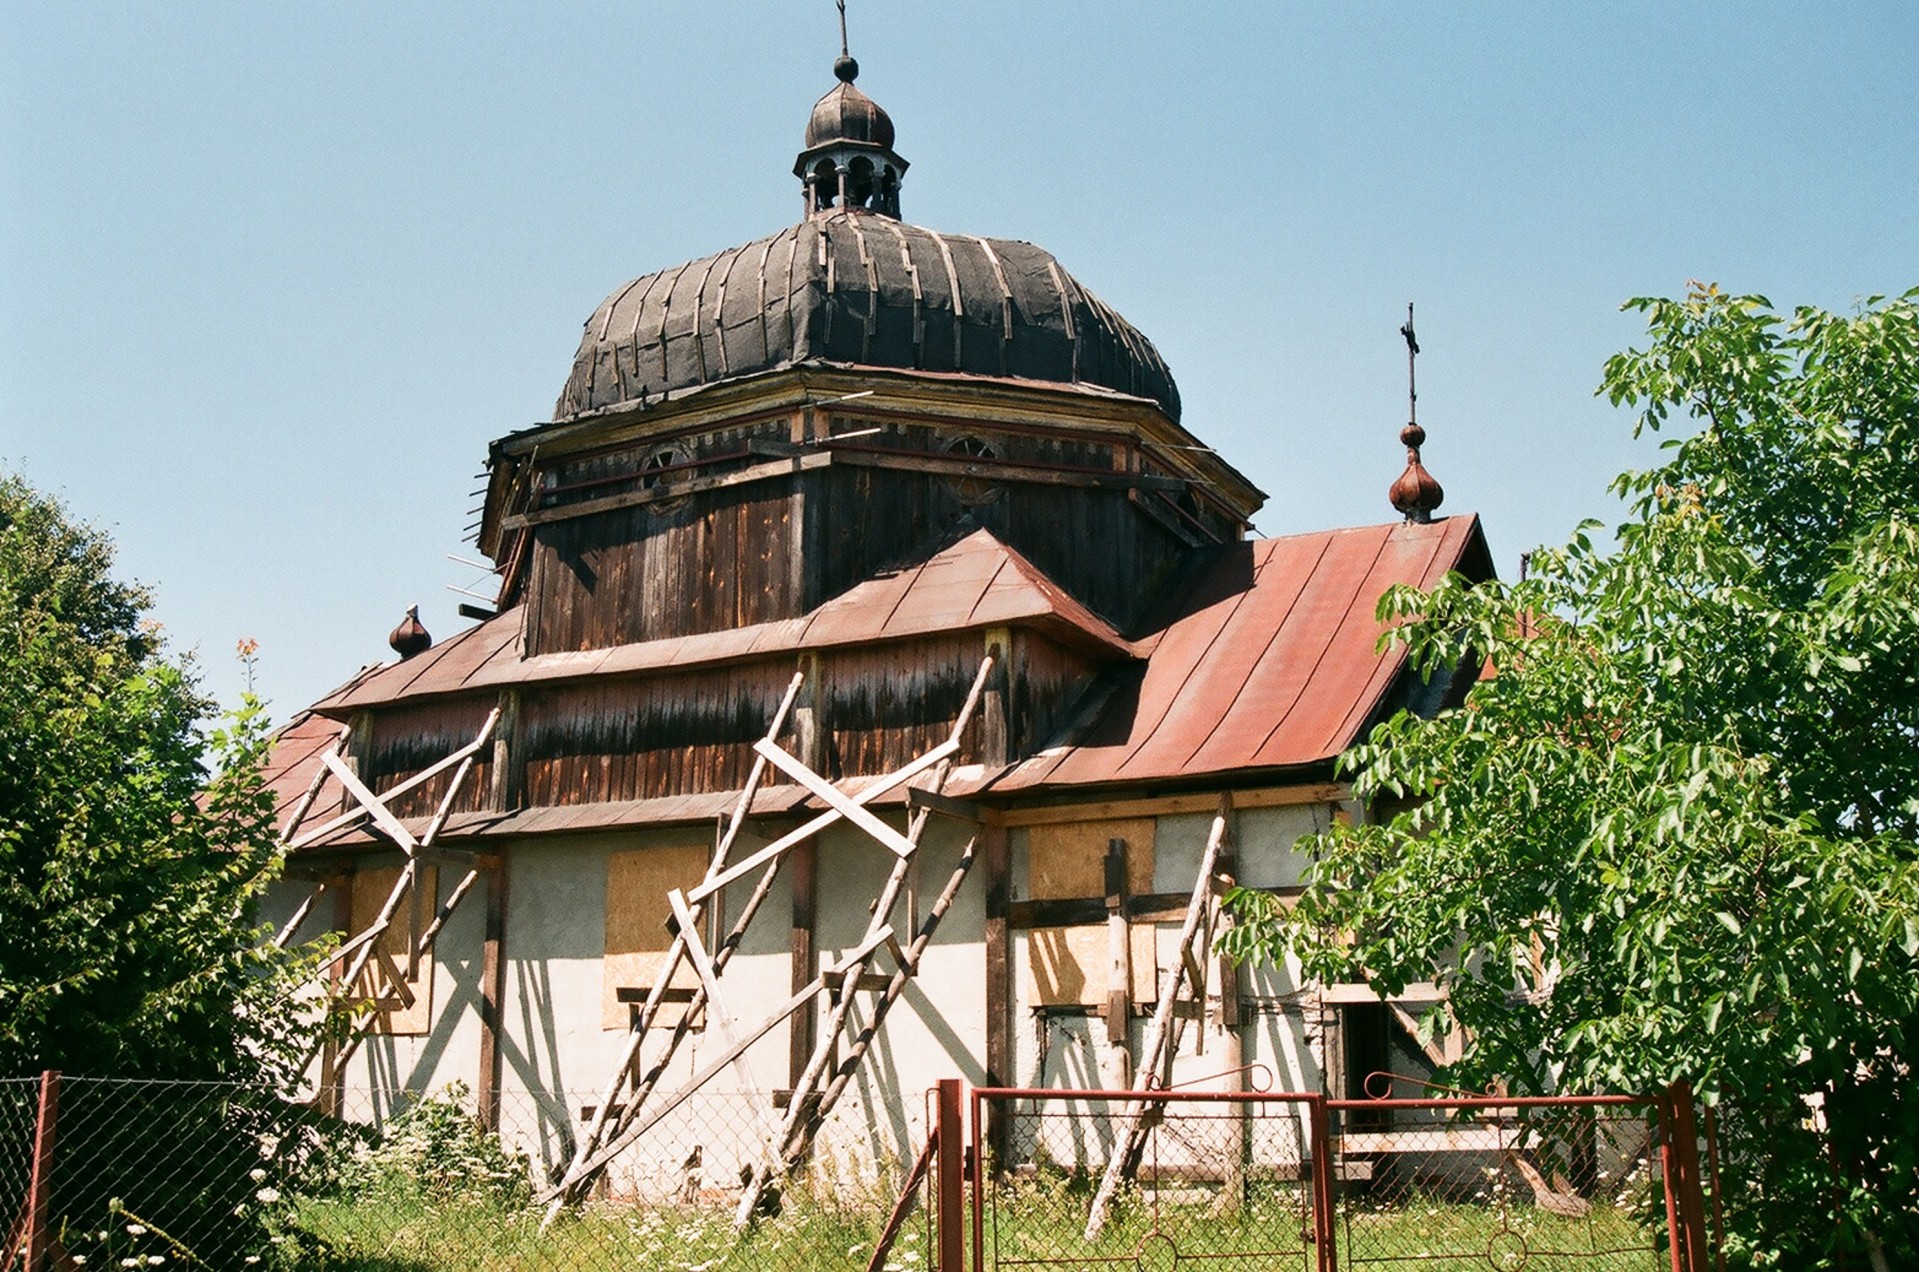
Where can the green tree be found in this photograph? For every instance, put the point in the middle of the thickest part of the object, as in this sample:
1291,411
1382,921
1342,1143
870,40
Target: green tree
128,872
1674,835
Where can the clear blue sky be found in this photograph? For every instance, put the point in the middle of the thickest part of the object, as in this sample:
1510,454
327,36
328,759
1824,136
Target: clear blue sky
272,275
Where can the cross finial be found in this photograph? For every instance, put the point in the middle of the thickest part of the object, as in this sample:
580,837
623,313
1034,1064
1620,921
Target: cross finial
842,7
1416,493
1412,356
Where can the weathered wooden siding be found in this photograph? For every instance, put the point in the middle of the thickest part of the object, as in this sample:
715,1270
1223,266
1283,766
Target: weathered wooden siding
882,706
1043,684
635,739
708,562
402,741
867,519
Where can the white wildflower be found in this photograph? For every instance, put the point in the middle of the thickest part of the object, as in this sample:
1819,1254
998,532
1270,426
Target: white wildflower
267,1196
257,1175
136,1230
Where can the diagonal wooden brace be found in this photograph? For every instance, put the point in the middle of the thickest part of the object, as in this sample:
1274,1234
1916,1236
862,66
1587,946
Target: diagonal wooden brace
830,795
793,838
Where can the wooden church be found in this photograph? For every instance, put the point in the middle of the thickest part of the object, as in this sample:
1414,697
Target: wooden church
883,685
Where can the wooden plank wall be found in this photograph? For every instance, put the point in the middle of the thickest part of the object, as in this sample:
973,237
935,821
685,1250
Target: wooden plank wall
712,561
871,519
883,705
635,739
404,740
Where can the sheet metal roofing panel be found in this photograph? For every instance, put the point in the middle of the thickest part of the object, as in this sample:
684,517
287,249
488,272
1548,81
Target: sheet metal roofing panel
850,287
442,669
668,810
1269,662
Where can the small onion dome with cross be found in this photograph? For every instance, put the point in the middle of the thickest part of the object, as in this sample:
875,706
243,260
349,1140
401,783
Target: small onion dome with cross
849,161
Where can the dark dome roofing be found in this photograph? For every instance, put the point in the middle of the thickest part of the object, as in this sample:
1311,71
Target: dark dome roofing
846,114
854,288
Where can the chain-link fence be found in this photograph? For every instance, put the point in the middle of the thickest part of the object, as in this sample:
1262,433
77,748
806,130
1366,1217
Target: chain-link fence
207,1175
136,1174
1199,1179
1471,1183
1464,1184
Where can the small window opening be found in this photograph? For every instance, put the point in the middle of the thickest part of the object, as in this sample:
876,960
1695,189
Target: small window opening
972,486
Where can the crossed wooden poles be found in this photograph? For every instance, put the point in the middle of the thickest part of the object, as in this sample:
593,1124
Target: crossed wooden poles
363,949
615,1127
1162,1037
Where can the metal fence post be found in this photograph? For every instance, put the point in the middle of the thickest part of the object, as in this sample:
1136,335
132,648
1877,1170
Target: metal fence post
952,1193
1683,1142
1325,1219
39,1236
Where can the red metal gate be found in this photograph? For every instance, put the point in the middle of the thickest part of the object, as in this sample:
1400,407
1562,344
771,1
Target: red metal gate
1294,1180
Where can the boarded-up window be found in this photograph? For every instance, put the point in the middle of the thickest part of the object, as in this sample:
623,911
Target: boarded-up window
384,981
636,937
1068,862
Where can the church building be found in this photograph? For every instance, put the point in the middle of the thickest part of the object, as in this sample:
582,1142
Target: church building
883,686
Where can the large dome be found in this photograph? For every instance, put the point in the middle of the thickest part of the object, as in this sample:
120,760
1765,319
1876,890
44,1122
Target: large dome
849,287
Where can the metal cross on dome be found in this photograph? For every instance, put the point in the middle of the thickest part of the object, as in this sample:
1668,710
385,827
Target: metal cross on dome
1412,357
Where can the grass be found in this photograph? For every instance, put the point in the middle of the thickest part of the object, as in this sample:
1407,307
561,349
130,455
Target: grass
1030,1223
402,1233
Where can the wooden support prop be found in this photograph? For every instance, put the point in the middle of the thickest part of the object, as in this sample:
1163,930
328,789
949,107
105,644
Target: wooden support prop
579,1170
946,806
312,791
779,847
299,916
890,994
364,947
370,804
396,978
619,1143
421,778
1162,1039
829,795
804,1115
710,982
446,910
349,948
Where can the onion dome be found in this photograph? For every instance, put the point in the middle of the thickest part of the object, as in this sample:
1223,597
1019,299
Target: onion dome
846,114
1416,492
410,637
849,161
849,289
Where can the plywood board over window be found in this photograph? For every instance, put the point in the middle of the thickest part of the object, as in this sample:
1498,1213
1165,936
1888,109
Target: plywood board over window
1067,861
392,1015
636,937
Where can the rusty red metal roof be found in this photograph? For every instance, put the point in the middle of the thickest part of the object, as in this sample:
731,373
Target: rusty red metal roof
1269,662
294,756
975,583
